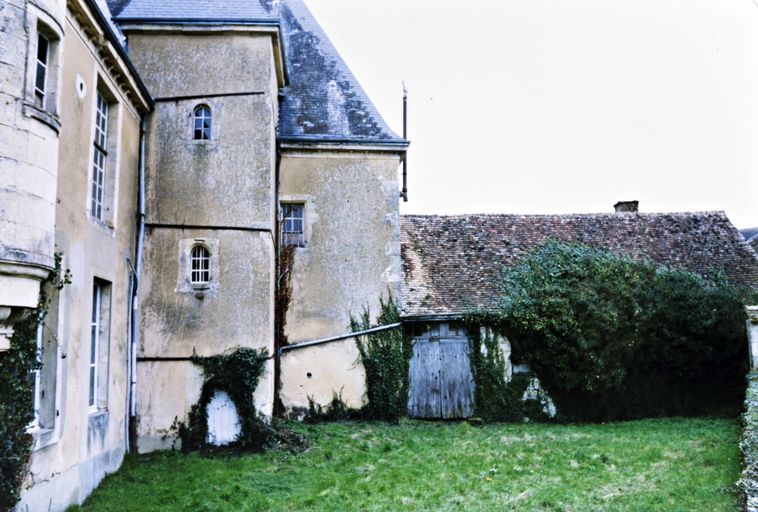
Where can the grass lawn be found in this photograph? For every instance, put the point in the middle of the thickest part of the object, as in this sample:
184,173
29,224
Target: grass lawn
663,464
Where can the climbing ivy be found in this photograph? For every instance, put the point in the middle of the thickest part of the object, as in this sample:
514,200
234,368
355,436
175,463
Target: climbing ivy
237,374
496,398
17,388
385,356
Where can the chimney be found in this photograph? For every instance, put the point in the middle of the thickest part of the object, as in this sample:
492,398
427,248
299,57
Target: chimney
627,206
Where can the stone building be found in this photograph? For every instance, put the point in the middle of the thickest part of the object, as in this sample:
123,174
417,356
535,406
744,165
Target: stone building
189,160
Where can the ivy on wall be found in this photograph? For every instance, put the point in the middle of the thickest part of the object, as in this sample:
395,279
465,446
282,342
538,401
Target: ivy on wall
385,356
496,398
237,374
17,388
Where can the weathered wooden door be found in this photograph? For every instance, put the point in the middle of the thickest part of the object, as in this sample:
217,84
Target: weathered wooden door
440,381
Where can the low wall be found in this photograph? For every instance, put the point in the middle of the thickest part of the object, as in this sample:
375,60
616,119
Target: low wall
748,482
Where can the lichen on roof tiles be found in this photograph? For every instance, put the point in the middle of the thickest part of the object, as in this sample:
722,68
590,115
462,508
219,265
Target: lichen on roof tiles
452,264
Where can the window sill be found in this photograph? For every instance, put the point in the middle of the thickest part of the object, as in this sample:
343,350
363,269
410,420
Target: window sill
45,117
43,437
102,225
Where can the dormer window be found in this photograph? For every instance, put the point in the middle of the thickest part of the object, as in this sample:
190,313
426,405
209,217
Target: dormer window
202,127
200,265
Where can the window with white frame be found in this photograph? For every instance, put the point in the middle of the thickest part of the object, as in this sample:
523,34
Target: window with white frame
41,71
293,232
200,265
99,346
36,376
202,122
100,153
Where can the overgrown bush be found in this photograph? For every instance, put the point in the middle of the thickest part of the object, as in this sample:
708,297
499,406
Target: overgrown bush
17,388
611,337
385,357
237,374
495,398
336,410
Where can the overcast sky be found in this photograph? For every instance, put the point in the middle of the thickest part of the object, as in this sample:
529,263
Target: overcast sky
547,106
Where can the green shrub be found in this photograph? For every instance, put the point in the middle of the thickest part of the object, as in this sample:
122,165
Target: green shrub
385,357
611,337
336,410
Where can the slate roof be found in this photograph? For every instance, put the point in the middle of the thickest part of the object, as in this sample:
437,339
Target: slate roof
323,101
451,264
749,233
146,10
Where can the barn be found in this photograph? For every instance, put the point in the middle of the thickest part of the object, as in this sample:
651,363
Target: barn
452,264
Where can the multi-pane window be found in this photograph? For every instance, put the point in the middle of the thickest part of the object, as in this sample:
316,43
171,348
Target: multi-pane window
100,155
202,117
36,376
292,224
94,352
97,369
43,63
200,265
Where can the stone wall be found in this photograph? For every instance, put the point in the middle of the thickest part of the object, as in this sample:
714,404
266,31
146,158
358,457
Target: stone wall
216,192
76,444
351,257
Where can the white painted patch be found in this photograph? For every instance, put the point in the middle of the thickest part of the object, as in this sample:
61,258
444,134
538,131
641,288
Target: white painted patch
223,420
534,391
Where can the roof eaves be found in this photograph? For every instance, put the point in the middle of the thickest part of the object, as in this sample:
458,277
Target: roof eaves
198,21
325,139
114,40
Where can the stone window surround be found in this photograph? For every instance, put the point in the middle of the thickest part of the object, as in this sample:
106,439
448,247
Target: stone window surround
48,431
184,278
108,221
309,217
215,110
40,22
97,390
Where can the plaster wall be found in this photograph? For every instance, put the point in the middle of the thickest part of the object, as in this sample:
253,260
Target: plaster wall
28,156
351,258
218,192
76,446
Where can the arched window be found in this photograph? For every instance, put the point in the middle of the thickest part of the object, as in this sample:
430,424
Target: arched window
202,118
200,264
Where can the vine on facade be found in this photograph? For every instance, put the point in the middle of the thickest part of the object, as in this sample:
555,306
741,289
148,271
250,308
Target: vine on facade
236,374
17,389
385,357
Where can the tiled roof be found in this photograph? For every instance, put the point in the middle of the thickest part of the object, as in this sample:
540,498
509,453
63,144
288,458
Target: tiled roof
753,242
323,101
451,264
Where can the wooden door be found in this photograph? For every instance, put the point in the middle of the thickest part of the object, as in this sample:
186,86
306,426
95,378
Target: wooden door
440,381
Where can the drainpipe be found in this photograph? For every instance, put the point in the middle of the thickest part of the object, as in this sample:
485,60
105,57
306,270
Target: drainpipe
134,342
404,193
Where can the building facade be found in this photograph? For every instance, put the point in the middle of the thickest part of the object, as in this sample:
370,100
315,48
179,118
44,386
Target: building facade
187,161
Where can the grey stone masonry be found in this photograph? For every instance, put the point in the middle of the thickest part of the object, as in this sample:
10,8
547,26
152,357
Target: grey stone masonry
752,335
